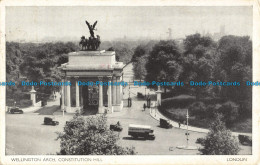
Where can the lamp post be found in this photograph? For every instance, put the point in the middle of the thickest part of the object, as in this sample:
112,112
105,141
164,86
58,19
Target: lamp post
187,133
129,98
164,78
155,109
187,146
145,92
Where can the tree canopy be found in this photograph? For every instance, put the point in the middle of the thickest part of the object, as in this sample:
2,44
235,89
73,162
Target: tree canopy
34,62
219,140
90,136
163,62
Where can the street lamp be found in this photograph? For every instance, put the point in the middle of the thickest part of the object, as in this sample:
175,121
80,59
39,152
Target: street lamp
164,78
187,146
187,133
145,92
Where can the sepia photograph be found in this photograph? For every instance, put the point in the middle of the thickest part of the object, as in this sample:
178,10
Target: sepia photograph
127,80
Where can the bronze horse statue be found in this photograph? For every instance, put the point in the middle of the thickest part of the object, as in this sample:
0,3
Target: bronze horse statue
90,44
84,43
93,42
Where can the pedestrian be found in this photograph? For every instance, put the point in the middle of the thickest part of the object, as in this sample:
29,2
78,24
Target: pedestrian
148,101
179,124
129,102
144,106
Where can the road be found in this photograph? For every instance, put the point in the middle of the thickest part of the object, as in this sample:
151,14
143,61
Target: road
25,134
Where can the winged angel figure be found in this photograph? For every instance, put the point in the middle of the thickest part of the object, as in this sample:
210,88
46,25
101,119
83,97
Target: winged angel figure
91,28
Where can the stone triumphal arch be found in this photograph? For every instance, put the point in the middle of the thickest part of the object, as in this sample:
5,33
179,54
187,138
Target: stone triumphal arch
92,66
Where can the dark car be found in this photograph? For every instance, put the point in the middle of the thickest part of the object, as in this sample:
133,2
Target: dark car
116,127
245,140
164,123
14,110
49,121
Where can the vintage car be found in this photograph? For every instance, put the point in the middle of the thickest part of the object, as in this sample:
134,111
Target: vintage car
164,123
143,131
245,140
116,127
14,110
49,121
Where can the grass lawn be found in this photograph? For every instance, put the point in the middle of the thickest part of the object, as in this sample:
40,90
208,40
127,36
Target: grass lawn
48,110
179,114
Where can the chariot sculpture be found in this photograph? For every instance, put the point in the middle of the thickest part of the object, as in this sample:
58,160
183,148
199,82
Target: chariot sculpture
92,43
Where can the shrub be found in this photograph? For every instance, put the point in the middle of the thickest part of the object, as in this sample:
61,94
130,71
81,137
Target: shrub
25,103
230,111
198,109
211,109
10,102
90,136
200,141
219,140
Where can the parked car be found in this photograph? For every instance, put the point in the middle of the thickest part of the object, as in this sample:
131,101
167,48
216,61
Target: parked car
14,110
245,140
50,121
143,131
116,127
165,124
140,95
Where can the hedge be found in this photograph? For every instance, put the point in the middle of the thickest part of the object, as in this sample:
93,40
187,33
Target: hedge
25,103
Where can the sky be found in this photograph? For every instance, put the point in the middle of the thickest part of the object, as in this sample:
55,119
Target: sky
61,23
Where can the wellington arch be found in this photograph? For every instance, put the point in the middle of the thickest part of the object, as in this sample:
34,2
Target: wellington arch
92,66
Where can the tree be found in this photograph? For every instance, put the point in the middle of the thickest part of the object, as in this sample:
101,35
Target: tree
198,61
90,136
192,42
111,49
139,68
198,109
219,140
140,58
139,52
163,61
235,64
230,112
34,62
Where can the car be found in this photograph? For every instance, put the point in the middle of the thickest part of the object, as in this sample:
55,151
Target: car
14,110
245,140
165,124
50,121
143,131
116,127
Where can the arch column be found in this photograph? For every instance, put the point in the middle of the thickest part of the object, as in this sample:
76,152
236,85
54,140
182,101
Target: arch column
62,96
100,103
68,107
118,106
114,91
118,94
77,93
109,95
